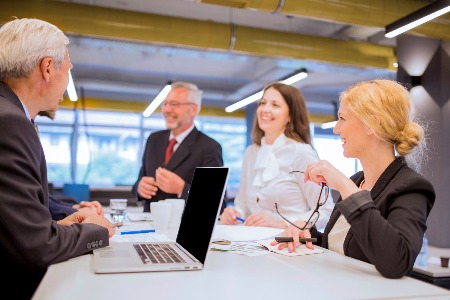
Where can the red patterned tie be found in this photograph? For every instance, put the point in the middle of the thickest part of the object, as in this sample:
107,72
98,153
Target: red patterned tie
169,150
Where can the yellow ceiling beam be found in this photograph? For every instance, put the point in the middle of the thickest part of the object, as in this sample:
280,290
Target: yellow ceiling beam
315,48
139,107
150,28
372,13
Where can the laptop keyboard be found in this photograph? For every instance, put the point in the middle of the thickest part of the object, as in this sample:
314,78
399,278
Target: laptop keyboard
158,254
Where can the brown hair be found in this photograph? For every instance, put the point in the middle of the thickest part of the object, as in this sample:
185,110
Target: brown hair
298,127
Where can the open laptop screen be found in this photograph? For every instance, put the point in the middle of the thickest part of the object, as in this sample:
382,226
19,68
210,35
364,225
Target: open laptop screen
205,199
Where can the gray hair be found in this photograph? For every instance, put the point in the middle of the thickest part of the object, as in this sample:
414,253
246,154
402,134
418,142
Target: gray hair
25,42
194,95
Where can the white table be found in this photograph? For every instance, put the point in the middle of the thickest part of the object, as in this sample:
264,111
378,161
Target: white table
229,276
433,272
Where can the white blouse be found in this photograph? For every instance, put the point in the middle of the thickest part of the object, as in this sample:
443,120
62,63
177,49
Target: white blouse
265,180
337,235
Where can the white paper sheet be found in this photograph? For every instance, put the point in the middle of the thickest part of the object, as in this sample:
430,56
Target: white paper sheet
242,248
138,237
301,250
139,216
242,233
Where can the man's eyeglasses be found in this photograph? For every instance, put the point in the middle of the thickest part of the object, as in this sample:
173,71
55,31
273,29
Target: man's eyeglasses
315,215
174,104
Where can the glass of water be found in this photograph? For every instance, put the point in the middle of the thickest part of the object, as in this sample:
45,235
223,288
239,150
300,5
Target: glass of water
118,209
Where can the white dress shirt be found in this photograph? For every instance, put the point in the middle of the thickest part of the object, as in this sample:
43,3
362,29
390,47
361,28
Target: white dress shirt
265,180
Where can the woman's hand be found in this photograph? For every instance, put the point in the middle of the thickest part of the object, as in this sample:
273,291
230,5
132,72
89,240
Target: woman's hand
228,217
322,172
263,219
296,234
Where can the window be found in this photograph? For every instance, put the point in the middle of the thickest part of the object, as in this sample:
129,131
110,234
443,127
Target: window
102,148
329,147
231,134
107,146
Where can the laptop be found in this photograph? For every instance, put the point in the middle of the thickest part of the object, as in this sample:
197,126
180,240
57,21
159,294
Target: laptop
189,251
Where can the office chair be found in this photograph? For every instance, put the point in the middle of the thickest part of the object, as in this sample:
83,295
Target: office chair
79,191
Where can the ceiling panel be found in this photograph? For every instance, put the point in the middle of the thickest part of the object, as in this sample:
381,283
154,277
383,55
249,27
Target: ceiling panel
121,55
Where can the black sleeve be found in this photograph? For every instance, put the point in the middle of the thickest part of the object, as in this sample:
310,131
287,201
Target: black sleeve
316,234
59,209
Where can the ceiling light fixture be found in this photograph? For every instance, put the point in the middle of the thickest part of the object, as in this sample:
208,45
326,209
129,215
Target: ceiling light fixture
425,14
157,101
71,91
327,125
299,75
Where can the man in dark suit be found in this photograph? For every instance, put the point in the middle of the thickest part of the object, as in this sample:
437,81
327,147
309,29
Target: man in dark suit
34,73
160,180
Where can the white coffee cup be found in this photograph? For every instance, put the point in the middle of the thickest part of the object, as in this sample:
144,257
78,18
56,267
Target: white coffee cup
176,212
161,214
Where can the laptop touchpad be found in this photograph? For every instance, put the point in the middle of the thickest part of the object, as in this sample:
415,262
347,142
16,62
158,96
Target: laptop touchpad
115,253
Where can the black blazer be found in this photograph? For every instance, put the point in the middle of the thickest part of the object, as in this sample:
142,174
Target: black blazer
30,240
59,209
196,150
387,223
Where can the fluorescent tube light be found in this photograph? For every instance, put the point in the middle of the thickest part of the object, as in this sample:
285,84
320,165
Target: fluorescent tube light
297,77
423,15
246,101
157,101
328,125
71,91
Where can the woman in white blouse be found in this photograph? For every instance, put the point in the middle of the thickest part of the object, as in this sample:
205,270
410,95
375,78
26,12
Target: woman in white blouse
281,144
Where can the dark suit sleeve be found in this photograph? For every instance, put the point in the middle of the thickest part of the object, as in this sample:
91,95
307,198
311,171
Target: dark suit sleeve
30,240
392,238
29,237
212,158
59,209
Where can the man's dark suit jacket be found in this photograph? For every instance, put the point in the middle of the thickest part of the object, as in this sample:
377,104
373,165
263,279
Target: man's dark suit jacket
59,209
196,150
30,240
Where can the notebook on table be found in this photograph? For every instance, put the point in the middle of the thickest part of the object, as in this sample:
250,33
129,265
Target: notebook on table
191,247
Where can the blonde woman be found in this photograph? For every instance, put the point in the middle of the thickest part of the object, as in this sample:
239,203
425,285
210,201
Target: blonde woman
382,213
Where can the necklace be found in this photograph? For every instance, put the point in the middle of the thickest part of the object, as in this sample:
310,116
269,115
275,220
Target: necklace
362,183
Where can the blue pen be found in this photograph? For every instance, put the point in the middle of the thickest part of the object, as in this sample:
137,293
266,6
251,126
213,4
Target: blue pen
240,219
137,231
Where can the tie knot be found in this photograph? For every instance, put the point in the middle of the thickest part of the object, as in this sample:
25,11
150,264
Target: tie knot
172,142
